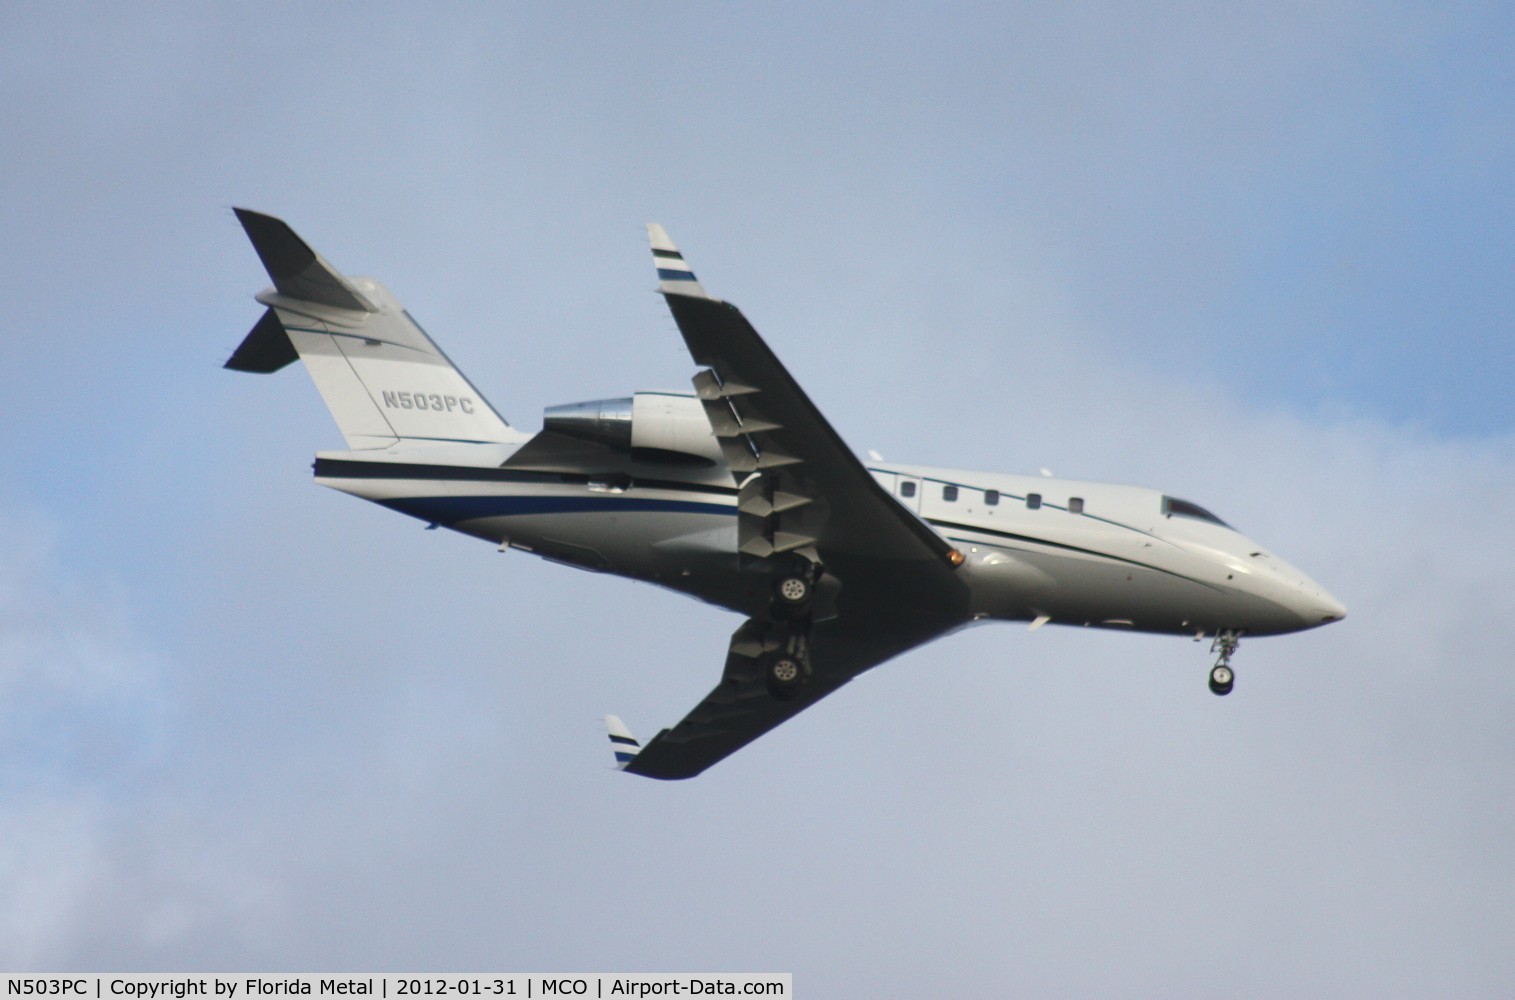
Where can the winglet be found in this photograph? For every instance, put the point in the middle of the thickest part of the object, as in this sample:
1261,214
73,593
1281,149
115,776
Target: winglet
622,743
674,275
298,271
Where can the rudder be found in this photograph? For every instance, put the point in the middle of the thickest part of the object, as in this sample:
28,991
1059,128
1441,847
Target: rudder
384,380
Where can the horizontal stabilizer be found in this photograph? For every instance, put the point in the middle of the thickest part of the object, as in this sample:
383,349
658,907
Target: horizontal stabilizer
298,271
266,349
622,743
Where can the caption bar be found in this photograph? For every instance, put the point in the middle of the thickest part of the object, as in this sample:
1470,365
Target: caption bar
250,986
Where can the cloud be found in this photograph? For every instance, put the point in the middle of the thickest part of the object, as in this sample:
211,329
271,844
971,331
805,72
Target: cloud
82,696
250,723
410,781
82,713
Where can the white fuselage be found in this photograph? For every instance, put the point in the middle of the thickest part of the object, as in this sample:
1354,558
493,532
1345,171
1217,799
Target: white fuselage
1036,548
1103,554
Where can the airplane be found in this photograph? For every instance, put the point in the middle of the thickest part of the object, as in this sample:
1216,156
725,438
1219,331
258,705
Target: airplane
743,495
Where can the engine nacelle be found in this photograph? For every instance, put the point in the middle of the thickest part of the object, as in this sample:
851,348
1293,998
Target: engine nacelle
658,425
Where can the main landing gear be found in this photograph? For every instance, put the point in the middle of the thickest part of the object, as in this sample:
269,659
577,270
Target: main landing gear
786,669
794,590
1222,677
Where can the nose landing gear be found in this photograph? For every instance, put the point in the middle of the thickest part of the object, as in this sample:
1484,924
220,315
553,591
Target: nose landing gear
1222,677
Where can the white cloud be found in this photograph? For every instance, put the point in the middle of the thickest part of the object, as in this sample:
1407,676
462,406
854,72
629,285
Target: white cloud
248,723
81,714
48,856
406,785
82,697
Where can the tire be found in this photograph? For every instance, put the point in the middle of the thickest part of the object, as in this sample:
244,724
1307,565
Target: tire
785,675
1222,678
792,591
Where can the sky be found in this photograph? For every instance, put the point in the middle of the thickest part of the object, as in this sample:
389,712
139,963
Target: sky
1254,255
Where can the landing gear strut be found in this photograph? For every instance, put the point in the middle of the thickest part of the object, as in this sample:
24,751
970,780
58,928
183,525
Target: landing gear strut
786,664
1221,675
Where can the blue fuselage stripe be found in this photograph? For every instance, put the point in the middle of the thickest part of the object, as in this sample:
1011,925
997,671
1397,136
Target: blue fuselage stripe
451,510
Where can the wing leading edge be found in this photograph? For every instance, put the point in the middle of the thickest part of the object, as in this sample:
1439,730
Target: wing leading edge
767,425
888,580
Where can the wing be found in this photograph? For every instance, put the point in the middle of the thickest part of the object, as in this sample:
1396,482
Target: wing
889,580
809,489
741,708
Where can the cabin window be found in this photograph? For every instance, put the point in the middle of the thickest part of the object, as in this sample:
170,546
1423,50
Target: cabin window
1033,500
907,488
991,498
949,493
1075,505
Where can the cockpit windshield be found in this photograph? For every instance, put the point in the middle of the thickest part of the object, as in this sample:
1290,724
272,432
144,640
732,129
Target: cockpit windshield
1182,508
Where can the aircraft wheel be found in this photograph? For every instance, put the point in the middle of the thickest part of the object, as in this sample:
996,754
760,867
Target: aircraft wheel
793,591
785,675
1221,679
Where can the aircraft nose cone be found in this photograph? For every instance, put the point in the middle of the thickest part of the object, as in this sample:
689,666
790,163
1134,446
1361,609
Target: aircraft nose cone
1330,609
1309,600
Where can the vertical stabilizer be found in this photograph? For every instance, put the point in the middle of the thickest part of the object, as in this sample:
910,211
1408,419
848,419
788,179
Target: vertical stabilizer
383,379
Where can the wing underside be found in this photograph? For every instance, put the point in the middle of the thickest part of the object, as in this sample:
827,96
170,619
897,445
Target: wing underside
884,580
741,707
803,484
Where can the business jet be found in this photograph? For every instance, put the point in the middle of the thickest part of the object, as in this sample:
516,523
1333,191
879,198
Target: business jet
741,494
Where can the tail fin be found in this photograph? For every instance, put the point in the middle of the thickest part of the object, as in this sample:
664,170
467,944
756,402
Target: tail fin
381,376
